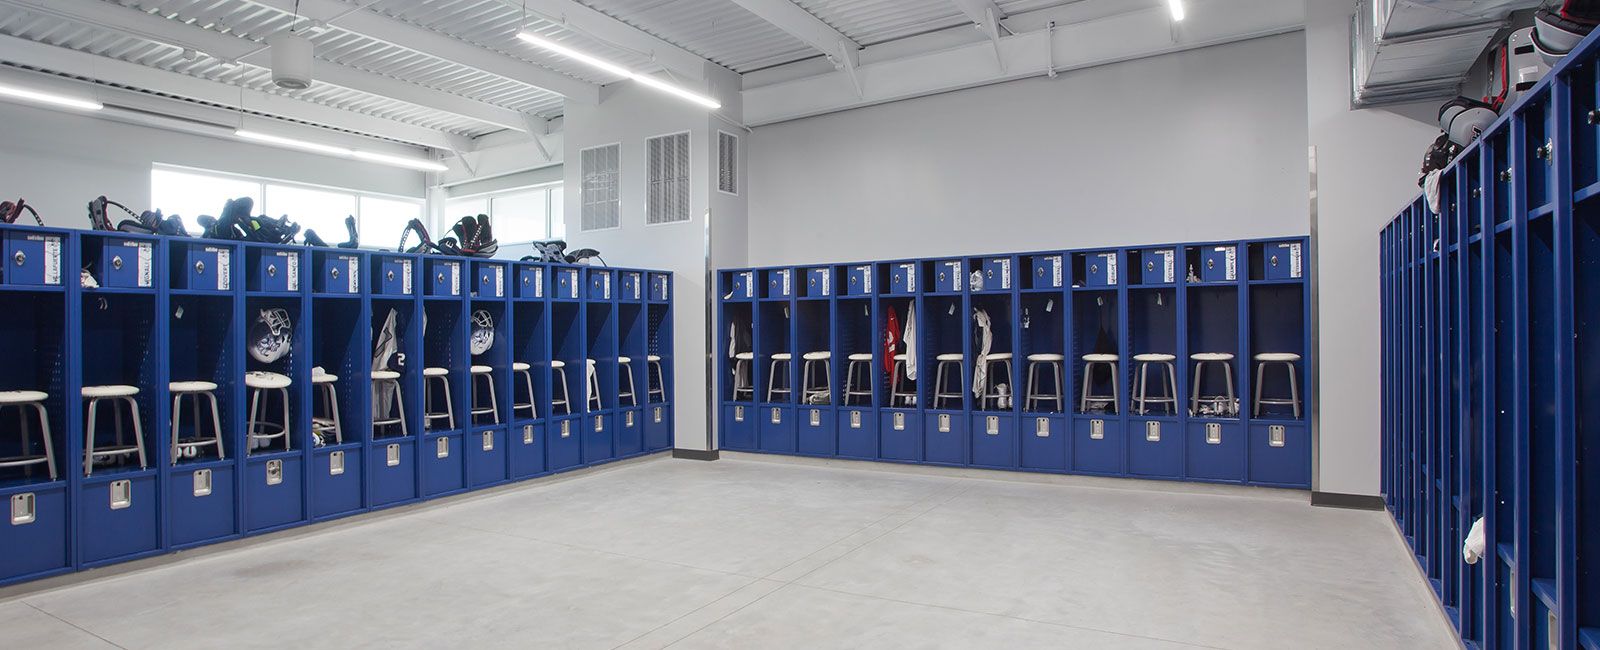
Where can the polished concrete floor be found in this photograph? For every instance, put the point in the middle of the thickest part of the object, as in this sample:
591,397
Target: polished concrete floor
758,554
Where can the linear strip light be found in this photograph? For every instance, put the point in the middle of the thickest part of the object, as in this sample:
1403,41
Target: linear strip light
418,164
1177,10
41,97
618,70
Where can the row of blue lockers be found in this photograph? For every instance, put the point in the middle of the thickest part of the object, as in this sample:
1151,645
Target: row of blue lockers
1490,369
172,393
1144,361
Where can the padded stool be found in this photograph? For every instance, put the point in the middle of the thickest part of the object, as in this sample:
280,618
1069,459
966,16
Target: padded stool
593,388
493,409
625,370
118,394
441,375
323,384
1141,392
991,388
656,392
1037,362
258,430
1224,359
741,375
523,369
773,388
862,387
946,361
23,400
1087,396
381,417
566,396
1287,360
194,390
808,372
896,387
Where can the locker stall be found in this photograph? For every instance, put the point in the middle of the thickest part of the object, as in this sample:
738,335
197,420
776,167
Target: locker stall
394,391
632,346
36,458
1042,329
1099,443
341,394
277,387
600,392
775,372
992,427
489,386
1214,440
1277,374
659,374
206,383
530,382
564,440
446,379
1151,378
819,386
857,361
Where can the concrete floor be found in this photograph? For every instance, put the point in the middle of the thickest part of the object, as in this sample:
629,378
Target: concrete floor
756,554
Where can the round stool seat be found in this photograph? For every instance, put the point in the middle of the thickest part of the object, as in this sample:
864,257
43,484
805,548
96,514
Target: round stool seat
557,363
267,380
1000,356
782,356
744,356
191,386
624,360
817,356
323,378
111,390
861,356
1277,356
899,356
385,374
1046,356
1212,356
518,365
950,356
435,372
652,357
25,396
1155,357
482,370
1100,358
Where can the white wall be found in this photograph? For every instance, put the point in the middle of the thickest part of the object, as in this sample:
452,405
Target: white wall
1367,164
1207,144
59,161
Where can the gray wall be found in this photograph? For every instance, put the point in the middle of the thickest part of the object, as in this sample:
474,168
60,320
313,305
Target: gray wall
1208,144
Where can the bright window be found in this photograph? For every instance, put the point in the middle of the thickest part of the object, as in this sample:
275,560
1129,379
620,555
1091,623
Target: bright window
518,216
191,193
320,210
384,219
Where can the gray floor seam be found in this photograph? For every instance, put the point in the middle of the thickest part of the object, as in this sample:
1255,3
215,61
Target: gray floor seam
688,614
593,550
725,616
80,628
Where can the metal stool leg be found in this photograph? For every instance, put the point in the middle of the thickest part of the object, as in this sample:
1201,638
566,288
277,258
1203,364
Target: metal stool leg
252,422
566,394
1088,378
1194,397
288,441
1061,387
1227,374
494,402
216,422
49,447
177,417
449,404
88,442
1261,371
138,431
1294,390
661,382
1142,390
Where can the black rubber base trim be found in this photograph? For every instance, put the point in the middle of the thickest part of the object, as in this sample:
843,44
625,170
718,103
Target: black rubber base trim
1352,501
696,454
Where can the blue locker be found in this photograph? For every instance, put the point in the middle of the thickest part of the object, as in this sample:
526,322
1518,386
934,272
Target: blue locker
526,448
530,283
659,290
336,481
339,273
276,270
945,438
491,280
658,427
201,505
1280,454
630,431
274,492
994,440
394,276
900,434
1048,272
817,431
1155,448
1100,270
564,444
443,464
859,282
949,276
1043,442
1160,266
776,428
1219,263
33,257
444,277
566,284
738,427
599,284
858,433
903,278
35,536
392,469
630,286
744,284
486,457
117,518
780,283
205,267
1282,261
1216,450
819,282
127,263
598,446
996,274
1097,445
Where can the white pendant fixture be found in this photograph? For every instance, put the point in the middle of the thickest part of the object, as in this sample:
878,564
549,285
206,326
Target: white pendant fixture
30,95
419,164
602,64
1177,9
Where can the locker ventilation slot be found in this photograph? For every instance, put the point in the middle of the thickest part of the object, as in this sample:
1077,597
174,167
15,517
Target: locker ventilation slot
24,508
728,162
598,192
667,168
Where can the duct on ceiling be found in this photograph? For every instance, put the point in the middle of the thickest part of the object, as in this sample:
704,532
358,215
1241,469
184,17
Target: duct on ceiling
1409,50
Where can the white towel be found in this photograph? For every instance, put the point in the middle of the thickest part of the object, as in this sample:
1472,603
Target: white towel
909,337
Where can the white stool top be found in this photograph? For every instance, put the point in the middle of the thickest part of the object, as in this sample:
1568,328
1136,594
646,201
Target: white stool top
111,390
262,379
385,374
622,360
435,372
1212,356
1154,356
1000,356
745,356
591,362
557,363
1277,356
899,356
22,396
1046,356
518,365
481,370
191,386
652,357
861,356
782,356
950,356
817,356
323,378
1100,357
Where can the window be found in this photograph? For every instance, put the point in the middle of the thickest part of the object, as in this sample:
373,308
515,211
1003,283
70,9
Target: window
601,204
518,215
191,193
727,163
667,168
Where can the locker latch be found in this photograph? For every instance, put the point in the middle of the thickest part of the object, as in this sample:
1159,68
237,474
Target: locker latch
1213,433
334,272
202,482
566,428
1152,431
488,441
272,270
121,494
20,258
441,447
335,463
855,419
816,417
274,472
944,423
599,423
738,414
527,434
899,422
1543,153
991,425
657,414
777,415
389,275
1097,429
391,455
24,508
1041,427
627,419
200,267
1275,434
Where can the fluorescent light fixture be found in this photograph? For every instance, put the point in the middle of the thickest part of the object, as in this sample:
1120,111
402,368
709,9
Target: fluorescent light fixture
419,164
1177,9
42,97
618,70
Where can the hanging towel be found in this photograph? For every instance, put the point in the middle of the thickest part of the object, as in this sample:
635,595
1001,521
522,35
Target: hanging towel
384,357
910,337
1474,546
980,367
891,340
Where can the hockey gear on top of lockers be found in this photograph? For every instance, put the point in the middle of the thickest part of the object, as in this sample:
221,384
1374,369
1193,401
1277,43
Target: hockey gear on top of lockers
10,212
553,251
471,237
1514,67
1464,119
271,335
1439,155
482,332
425,243
236,223
1557,31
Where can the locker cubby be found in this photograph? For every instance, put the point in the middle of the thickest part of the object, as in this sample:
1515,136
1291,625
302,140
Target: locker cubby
1045,272
485,449
1497,148
444,346
600,326
1153,329
1001,310
1541,395
1502,372
405,360
490,281
530,344
599,437
445,277
774,333
1211,263
945,276
1534,118
294,364
856,335
947,438
563,446
1585,269
859,280
994,273
817,435
531,281
942,328
202,266
274,269
1212,326
565,283
340,345
1042,327
736,336
485,411
337,272
119,334
1277,325
777,283
1093,269
631,286
1153,266
628,437
633,342
1277,261
738,285
814,333
394,275
820,282
658,427
203,340
119,262
600,283
1096,329
902,278
33,353
888,395
37,257
1155,446
658,343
